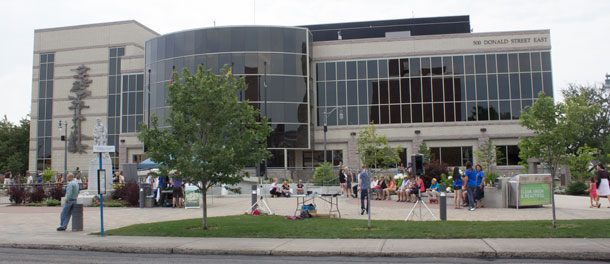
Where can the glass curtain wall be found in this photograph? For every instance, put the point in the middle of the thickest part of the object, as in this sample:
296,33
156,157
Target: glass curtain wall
45,110
458,88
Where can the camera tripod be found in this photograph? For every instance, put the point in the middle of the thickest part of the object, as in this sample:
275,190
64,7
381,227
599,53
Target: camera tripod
419,203
261,202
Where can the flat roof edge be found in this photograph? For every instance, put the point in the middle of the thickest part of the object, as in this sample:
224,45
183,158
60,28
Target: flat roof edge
96,25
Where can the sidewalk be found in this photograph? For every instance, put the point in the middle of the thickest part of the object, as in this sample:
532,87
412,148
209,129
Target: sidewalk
575,249
34,227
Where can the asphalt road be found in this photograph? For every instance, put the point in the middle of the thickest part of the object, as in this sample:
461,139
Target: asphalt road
13,255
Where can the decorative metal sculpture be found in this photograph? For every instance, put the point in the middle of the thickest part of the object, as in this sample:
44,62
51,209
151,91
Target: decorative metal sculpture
79,87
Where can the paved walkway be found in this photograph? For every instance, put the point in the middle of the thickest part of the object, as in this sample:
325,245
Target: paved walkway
34,227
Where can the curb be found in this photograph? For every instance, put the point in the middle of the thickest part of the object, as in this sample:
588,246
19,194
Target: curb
590,256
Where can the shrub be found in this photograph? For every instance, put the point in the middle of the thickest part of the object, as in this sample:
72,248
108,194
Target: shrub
17,193
131,193
57,191
36,195
47,175
323,174
434,169
576,188
53,202
118,191
491,177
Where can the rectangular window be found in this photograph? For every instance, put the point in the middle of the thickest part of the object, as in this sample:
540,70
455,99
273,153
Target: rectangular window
45,110
507,155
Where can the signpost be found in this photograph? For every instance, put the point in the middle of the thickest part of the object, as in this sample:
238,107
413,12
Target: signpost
101,181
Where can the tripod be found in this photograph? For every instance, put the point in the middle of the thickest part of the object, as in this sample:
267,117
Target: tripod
419,202
261,200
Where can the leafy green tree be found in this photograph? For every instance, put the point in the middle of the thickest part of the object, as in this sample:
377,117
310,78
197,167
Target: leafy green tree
212,135
549,144
425,150
374,149
590,108
486,154
548,123
580,163
14,145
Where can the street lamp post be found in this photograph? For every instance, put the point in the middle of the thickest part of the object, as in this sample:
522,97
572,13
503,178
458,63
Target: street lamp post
607,82
326,114
63,125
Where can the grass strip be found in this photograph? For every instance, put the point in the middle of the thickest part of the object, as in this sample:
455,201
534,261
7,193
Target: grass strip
279,227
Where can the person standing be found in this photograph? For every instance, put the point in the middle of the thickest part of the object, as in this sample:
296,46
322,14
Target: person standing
7,177
603,187
457,188
470,177
349,176
480,186
354,183
342,180
177,194
365,186
71,195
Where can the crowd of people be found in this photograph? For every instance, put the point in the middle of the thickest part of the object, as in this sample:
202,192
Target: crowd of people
469,186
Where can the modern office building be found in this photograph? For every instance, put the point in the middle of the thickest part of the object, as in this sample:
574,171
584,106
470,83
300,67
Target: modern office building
418,80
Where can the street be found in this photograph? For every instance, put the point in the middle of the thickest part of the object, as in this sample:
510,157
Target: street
14,255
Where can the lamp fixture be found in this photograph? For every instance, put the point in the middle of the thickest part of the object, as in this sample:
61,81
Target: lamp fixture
483,129
417,132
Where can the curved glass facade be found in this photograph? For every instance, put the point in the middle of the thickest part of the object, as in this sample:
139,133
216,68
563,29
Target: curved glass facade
273,60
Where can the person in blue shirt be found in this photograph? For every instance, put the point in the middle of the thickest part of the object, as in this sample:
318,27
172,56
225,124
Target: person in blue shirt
71,195
365,184
480,185
470,177
457,188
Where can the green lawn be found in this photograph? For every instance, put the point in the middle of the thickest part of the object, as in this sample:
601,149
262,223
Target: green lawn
279,227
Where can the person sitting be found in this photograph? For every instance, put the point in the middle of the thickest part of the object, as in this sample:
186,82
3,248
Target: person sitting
300,187
411,189
390,187
402,190
285,189
379,189
374,184
433,191
275,189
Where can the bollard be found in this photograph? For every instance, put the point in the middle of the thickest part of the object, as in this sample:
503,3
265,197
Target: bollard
142,196
443,206
77,217
254,194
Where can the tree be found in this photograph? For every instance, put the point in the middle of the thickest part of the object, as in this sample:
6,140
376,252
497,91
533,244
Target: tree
374,149
549,143
486,154
425,150
580,163
212,135
14,145
590,107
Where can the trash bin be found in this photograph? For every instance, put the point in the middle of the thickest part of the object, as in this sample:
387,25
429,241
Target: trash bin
144,192
77,217
529,190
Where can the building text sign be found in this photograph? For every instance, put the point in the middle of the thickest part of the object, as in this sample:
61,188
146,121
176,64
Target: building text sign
510,41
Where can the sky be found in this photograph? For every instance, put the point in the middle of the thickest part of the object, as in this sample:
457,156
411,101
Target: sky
580,32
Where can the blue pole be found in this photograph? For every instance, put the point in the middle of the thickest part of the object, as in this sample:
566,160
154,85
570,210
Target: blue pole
101,199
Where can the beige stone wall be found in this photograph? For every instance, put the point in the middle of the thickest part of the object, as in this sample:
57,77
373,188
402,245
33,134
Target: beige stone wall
432,45
88,45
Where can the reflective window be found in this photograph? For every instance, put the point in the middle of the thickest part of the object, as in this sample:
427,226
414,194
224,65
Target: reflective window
524,62
513,62
480,64
45,110
502,62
